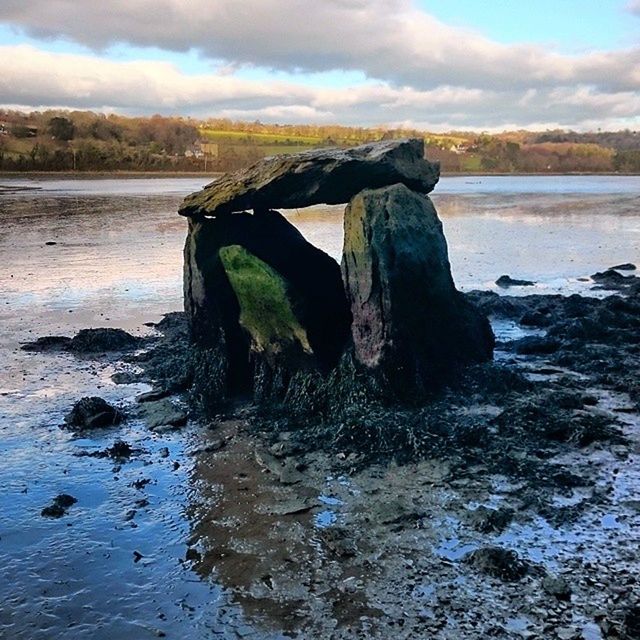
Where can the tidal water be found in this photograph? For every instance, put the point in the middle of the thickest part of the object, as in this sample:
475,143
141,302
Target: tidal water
108,252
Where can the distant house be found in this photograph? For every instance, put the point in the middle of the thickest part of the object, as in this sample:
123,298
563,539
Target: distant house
202,149
459,148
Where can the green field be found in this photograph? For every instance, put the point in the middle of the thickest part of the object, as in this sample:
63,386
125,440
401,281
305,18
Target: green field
246,137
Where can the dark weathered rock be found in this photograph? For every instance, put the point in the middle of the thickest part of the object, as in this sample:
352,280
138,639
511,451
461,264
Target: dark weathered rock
86,341
535,345
409,321
613,280
499,563
59,506
47,343
160,413
92,412
303,295
557,586
329,176
103,339
507,281
488,520
627,266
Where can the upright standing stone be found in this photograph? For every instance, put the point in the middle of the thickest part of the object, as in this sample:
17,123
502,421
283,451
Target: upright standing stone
410,324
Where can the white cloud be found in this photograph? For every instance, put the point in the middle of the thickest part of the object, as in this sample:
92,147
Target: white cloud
37,78
389,40
634,7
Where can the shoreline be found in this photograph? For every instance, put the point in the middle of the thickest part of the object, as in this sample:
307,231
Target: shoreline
198,174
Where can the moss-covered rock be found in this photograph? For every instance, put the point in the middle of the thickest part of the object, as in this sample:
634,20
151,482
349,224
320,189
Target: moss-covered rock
266,308
410,325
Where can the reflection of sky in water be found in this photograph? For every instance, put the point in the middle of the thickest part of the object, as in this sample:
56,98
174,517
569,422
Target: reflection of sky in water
120,241
120,255
118,262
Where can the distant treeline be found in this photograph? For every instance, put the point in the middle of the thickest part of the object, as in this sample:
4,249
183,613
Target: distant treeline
87,141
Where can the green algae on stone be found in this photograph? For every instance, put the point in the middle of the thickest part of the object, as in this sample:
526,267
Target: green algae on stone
266,312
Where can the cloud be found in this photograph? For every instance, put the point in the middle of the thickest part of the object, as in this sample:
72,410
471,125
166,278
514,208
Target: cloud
388,40
37,78
634,7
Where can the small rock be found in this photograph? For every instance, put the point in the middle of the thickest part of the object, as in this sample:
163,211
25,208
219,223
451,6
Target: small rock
627,266
507,281
92,412
192,555
567,633
536,345
163,413
97,340
154,394
293,506
338,541
557,586
164,452
499,563
491,520
47,343
289,474
58,506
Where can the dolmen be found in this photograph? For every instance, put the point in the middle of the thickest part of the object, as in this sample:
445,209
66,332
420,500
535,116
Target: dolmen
267,310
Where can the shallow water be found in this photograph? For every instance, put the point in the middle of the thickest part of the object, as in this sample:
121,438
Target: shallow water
117,262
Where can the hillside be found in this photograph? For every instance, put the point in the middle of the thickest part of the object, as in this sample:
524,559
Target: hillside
87,141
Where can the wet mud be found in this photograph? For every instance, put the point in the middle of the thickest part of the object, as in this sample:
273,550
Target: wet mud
516,514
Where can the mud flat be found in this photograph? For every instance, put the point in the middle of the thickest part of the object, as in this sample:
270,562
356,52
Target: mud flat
508,507
258,524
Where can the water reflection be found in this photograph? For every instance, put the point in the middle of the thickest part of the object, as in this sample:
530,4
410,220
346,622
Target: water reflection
117,261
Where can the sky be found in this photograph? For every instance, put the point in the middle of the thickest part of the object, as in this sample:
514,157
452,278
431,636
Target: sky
438,65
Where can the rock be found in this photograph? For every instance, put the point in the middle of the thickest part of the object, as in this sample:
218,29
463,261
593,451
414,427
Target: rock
161,413
339,541
568,633
329,176
631,623
627,266
290,473
535,345
126,377
409,321
557,586
118,451
499,563
91,413
154,394
613,280
507,281
535,319
230,262
266,309
488,520
58,506
86,341
293,506
97,340
192,555
47,343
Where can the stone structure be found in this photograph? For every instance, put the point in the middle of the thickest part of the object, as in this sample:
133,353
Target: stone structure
266,304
